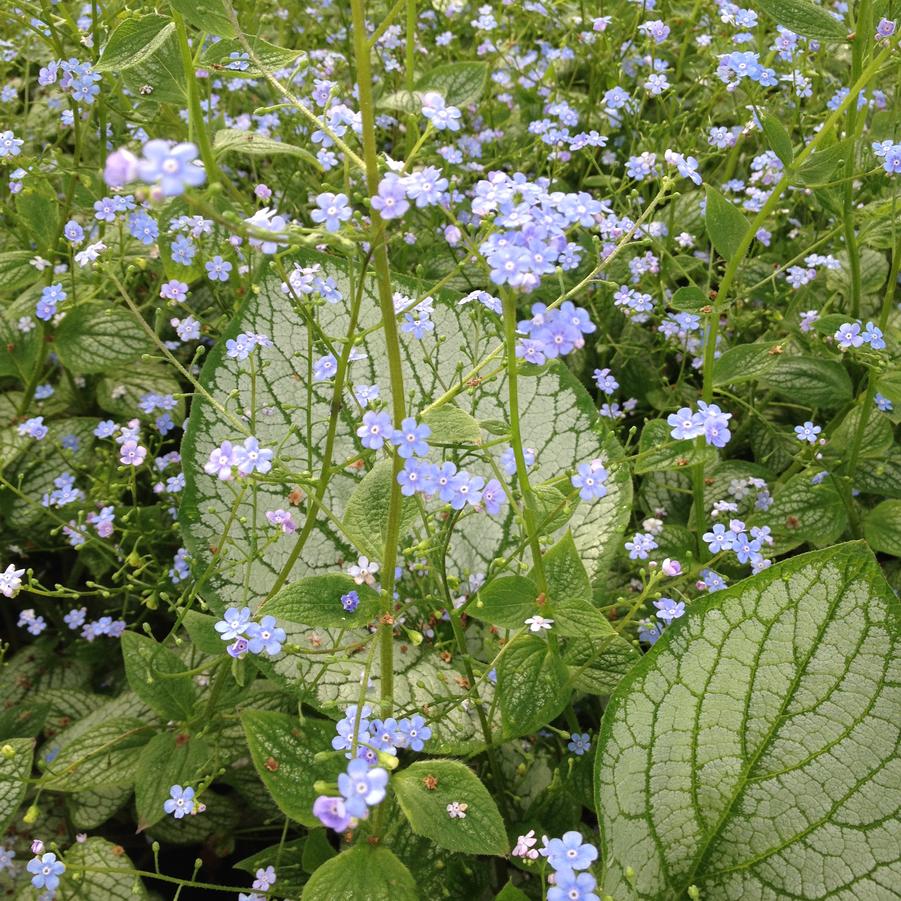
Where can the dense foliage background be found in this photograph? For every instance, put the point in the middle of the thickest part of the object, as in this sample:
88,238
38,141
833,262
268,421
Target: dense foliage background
448,450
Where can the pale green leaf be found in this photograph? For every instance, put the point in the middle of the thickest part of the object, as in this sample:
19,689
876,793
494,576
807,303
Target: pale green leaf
316,601
218,57
97,338
250,143
753,751
459,83
208,16
133,42
805,18
507,601
156,675
91,809
726,224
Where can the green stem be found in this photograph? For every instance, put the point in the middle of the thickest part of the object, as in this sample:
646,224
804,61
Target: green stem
392,344
522,475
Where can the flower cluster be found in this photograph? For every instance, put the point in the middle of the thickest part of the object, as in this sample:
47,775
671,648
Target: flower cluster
246,458
552,333
746,544
708,422
238,627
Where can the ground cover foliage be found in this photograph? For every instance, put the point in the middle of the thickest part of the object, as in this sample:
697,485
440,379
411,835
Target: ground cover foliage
448,450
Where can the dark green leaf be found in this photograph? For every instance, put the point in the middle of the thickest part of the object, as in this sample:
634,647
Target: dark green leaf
166,760
809,380
689,298
882,527
459,83
507,601
658,451
778,138
15,768
533,685
363,871
744,363
133,42
97,338
316,601
208,16
805,18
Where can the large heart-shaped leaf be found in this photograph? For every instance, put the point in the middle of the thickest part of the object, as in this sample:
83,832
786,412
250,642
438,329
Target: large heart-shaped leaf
753,751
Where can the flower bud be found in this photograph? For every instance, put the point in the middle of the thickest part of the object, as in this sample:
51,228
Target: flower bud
121,168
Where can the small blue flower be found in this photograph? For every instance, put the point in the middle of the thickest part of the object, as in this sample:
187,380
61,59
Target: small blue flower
580,743
265,636
173,167
376,430
362,787
410,438
218,269
234,623
350,601
46,870
180,802
570,852
807,432
668,609
572,886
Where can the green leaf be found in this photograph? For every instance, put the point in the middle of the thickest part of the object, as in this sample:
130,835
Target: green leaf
218,57
532,683
202,630
598,663
820,165
726,224
38,205
317,850
97,338
154,69
249,143
366,517
166,760
878,437
689,298
283,750
451,425
565,572
507,601
805,18
778,138
316,601
120,391
459,83
658,452
15,768
809,380
803,512
96,753
16,270
20,349
98,870
881,476
208,16
744,363
882,527
511,893
91,809
153,672
363,871
752,750
481,831
133,42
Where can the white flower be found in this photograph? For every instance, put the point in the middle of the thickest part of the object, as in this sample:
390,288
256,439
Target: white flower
364,571
456,810
525,846
11,581
537,623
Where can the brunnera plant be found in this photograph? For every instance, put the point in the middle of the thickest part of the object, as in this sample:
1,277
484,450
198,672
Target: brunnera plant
448,450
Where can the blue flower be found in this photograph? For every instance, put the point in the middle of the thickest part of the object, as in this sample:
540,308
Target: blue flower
183,250
570,852
493,497
265,636
250,457
171,166
376,430
333,210
668,609
807,432
350,601
362,787
143,227
325,368
417,475
391,200
580,743
590,480
46,871
410,438
572,886
180,802
414,733
218,269
234,623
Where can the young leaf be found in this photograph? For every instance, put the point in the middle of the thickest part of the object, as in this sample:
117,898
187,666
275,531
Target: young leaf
425,789
882,528
283,750
761,727
778,138
166,760
532,683
451,425
219,57
726,224
363,871
744,363
507,601
316,601
97,338
822,163
15,768
153,674
805,18
511,893
565,572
